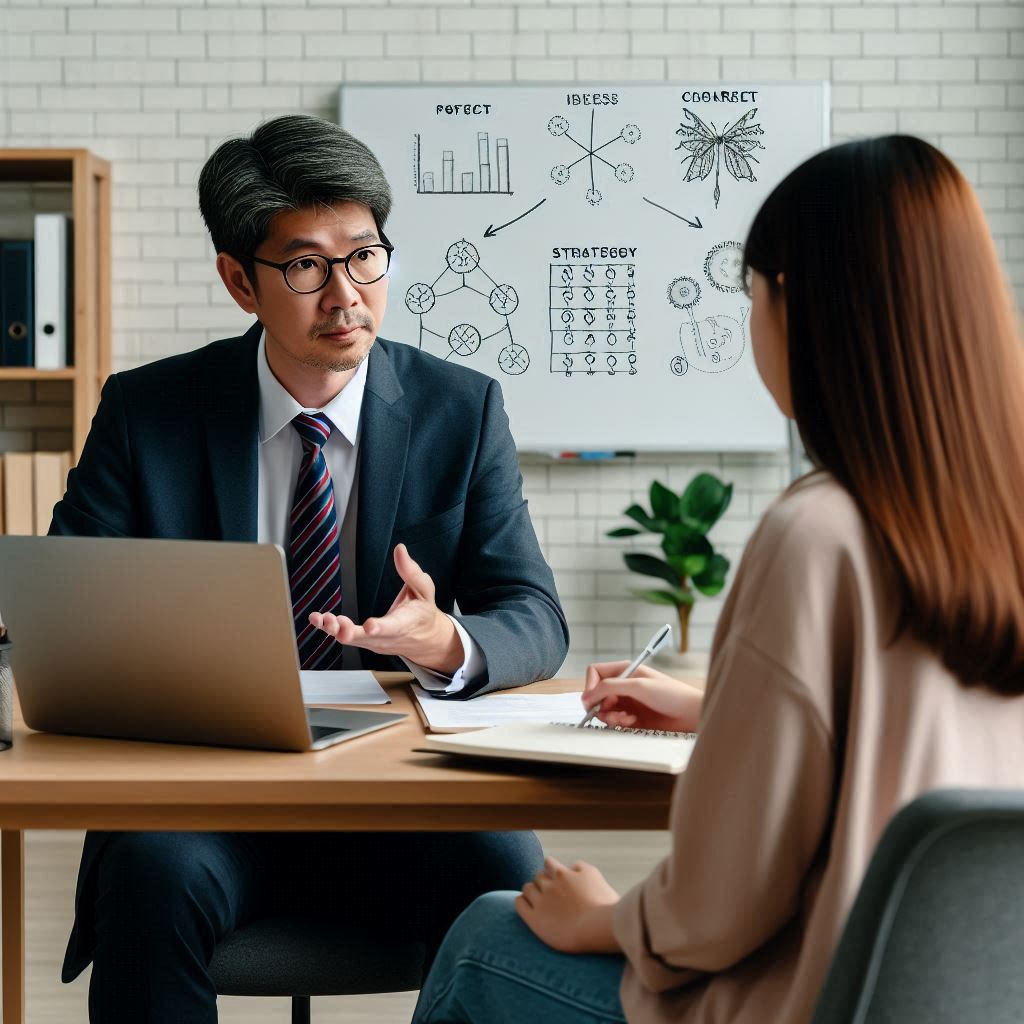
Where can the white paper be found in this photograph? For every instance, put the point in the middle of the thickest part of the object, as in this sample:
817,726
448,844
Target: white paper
498,709
342,688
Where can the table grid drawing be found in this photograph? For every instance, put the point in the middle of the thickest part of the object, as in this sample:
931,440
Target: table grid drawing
592,318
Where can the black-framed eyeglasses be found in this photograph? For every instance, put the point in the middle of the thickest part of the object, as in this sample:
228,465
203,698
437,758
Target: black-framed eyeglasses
310,273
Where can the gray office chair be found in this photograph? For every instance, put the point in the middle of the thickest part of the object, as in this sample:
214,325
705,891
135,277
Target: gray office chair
936,933
302,957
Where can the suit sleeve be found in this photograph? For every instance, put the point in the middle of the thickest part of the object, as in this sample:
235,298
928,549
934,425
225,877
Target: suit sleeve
100,497
504,587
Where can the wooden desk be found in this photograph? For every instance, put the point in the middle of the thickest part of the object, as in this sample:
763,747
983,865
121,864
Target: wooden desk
373,782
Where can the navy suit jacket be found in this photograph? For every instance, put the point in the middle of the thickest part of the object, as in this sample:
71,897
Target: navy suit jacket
173,453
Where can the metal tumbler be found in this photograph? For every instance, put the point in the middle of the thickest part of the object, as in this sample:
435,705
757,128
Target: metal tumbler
6,694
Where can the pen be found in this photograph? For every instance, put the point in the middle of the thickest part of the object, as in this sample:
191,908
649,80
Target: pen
653,645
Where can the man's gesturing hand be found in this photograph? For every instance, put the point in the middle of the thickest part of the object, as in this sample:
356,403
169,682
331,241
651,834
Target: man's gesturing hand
414,627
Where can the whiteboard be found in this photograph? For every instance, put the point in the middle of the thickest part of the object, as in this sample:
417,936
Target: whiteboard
581,244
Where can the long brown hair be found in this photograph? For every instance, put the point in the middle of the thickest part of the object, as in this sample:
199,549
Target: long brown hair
908,383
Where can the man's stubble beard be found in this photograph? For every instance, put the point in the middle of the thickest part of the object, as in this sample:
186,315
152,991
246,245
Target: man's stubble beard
343,363
337,366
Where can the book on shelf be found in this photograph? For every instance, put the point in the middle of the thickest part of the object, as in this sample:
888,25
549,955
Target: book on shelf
32,483
53,291
50,473
17,334
19,496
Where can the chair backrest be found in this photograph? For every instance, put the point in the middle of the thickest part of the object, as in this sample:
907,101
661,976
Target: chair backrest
936,933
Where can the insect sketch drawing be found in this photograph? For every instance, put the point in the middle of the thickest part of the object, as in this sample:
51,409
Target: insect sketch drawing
707,147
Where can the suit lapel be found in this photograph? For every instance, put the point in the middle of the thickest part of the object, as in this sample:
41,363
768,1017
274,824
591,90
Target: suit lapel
231,400
384,445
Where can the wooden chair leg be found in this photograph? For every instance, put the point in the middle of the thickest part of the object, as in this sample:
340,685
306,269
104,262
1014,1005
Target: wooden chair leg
300,1009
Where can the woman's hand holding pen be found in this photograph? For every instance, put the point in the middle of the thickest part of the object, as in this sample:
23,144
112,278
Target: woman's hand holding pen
647,700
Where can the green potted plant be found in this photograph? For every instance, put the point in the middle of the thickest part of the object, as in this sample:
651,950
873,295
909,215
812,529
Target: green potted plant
690,562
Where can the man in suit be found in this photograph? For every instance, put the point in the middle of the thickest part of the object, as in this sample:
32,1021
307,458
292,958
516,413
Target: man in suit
390,478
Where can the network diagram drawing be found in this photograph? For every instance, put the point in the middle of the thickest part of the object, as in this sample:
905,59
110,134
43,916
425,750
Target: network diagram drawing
561,173
715,343
707,147
462,270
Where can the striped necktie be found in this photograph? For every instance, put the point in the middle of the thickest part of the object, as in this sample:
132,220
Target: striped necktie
314,556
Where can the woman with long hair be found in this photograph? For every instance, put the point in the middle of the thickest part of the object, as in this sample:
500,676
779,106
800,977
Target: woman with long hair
871,647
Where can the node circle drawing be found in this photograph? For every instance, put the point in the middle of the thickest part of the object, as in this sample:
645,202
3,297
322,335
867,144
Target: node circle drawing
464,339
463,273
708,147
558,126
420,298
723,267
462,257
513,359
684,292
503,299
592,318
714,343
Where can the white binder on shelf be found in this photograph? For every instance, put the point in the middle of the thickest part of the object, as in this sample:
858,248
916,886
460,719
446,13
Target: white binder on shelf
52,277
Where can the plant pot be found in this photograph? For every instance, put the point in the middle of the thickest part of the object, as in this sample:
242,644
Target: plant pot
689,665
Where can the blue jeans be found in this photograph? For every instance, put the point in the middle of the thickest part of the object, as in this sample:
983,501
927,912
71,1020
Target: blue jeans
491,969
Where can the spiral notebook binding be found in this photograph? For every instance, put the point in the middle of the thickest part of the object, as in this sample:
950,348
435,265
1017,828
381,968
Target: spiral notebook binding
632,732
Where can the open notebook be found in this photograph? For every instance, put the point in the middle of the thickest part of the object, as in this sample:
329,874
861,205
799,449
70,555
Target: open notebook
639,749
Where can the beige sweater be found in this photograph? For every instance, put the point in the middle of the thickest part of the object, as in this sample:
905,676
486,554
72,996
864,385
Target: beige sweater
814,732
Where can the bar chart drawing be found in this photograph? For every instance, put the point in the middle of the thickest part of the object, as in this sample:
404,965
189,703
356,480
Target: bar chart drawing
489,174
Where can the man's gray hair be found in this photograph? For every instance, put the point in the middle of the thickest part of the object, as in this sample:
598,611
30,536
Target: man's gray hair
287,163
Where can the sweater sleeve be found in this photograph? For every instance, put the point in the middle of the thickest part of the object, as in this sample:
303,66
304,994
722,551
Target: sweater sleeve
747,819
752,813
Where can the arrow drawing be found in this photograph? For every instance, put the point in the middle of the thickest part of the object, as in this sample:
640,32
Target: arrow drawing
492,230
679,215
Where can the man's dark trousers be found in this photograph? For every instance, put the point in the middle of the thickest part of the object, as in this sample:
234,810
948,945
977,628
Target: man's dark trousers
163,900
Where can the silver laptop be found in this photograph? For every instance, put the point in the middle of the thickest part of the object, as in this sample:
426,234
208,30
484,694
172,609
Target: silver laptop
180,641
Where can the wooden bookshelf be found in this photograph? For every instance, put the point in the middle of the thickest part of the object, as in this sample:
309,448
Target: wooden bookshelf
28,373
88,179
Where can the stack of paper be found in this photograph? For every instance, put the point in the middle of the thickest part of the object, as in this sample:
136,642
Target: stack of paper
342,688
495,709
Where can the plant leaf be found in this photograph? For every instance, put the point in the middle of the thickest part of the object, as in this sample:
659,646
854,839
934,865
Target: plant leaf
680,542
623,531
688,565
711,581
664,503
675,596
638,515
676,539
704,501
648,565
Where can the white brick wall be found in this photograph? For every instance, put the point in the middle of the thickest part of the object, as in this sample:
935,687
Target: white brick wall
155,86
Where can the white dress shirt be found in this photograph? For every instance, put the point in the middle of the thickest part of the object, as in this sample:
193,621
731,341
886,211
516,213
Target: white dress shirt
279,459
